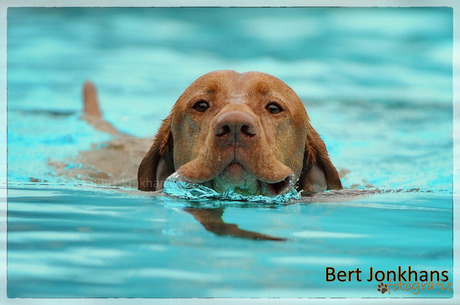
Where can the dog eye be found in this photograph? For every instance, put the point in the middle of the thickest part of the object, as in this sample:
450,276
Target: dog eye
201,106
274,108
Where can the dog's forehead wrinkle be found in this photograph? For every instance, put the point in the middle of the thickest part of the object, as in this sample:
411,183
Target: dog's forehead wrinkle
237,99
238,95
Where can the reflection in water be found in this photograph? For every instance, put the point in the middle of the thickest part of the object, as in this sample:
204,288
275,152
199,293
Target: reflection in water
212,221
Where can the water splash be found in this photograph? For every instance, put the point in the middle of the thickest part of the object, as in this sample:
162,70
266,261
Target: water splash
174,186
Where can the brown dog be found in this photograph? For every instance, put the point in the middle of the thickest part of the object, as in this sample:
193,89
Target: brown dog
248,132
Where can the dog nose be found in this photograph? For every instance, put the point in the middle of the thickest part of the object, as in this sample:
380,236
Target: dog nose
235,126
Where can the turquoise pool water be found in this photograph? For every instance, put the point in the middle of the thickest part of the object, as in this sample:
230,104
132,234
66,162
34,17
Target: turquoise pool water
377,84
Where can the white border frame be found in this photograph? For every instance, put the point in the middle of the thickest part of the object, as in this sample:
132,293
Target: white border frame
455,4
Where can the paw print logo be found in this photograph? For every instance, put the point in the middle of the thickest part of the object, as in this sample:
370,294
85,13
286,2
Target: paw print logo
382,288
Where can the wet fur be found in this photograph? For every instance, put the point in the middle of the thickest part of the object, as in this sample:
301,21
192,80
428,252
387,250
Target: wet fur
195,155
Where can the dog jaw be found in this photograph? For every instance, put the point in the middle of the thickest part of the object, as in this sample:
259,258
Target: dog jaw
234,176
248,186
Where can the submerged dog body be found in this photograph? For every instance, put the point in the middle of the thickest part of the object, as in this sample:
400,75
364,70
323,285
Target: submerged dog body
248,132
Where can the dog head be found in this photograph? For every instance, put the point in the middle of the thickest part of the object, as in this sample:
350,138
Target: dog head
248,132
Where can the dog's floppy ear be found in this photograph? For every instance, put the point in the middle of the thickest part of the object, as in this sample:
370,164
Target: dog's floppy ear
158,164
318,173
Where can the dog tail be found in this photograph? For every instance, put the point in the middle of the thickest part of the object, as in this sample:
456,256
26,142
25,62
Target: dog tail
92,112
90,100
